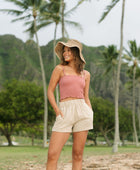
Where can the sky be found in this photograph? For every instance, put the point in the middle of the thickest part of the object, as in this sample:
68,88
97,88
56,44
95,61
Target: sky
88,14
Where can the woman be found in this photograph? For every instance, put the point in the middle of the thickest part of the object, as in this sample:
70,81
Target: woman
74,113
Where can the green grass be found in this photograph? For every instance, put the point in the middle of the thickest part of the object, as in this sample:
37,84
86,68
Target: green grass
13,157
23,141
10,157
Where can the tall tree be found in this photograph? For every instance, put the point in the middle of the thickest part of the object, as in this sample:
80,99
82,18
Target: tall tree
108,9
53,13
104,122
133,59
138,85
110,62
65,14
20,103
50,15
30,9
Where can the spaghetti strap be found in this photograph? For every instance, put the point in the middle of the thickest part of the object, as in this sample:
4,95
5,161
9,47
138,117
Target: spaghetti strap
63,70
83,73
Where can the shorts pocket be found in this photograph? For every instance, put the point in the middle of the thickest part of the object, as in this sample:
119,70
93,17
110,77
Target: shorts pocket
58,117
89,107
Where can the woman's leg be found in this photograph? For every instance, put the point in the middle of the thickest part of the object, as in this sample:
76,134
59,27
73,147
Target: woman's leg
79,139
58,139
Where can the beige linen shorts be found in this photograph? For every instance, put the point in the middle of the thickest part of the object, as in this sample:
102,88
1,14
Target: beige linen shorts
78,116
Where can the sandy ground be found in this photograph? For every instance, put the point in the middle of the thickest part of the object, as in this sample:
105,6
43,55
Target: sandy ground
129,161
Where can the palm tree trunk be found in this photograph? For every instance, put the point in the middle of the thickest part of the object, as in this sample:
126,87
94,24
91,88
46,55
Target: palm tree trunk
139,107
133,111
54,57
113,83
62,15
54,42
116,137
44,87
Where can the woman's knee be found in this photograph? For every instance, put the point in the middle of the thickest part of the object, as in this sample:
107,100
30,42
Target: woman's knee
52,155
77,155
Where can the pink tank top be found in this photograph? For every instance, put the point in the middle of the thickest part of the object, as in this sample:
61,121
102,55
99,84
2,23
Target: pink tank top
72,86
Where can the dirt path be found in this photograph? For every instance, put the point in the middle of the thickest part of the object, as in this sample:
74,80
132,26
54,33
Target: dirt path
129,161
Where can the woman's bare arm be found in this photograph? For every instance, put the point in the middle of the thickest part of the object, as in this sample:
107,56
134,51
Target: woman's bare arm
86,92
55,77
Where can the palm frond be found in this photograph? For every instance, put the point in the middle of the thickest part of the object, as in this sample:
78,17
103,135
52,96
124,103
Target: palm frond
42,25
133,47
108,9
74,24
12,12
137,73
139,53
30,29
23,4
129,53
66,33
75,7
126,58
22,18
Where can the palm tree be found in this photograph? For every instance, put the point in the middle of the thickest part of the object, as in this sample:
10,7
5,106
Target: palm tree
64,14
56,19
110,61
138,84
53,12
31,9
133,59
50,14
109,8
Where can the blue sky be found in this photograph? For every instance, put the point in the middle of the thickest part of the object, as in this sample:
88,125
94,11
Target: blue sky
88,14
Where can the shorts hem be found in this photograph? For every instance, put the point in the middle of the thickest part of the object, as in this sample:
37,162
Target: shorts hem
62,131
86,129
72,130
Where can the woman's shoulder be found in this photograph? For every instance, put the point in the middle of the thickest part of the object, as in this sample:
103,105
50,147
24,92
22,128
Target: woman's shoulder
87,73
59,67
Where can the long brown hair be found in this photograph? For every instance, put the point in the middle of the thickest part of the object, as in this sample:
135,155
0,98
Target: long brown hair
79,64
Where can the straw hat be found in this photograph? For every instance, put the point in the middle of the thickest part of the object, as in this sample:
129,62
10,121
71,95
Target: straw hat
70,43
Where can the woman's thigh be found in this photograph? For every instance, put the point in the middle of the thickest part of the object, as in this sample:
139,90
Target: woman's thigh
79,140
57,141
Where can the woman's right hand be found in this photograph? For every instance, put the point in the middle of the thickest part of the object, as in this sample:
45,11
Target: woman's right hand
59,113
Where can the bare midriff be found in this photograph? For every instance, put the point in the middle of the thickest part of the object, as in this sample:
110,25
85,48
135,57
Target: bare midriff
69,98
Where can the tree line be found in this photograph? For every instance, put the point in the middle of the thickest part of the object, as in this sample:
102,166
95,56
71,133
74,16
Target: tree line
21,109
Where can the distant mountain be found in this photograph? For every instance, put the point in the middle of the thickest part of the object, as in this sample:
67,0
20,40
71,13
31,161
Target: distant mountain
15,60
20,60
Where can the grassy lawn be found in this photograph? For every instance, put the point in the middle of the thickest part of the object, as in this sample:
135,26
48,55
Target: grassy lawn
13,157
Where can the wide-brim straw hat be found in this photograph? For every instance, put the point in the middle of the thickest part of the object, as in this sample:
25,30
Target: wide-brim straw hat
70,43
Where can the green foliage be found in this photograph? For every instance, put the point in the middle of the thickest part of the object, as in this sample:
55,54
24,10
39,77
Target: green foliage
21,102
104,120
103,113
17,61
108,9
125,117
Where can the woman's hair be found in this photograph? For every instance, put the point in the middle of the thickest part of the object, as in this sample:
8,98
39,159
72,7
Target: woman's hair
79,64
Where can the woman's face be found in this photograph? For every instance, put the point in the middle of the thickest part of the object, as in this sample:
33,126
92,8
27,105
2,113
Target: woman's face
67,54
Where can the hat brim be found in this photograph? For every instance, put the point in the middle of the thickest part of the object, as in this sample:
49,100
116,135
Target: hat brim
59,50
